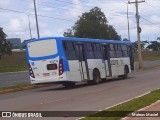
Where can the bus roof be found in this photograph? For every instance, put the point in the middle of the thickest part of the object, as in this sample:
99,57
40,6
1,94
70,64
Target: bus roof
80,40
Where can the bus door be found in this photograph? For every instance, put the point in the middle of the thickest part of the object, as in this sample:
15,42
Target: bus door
82,61
106,58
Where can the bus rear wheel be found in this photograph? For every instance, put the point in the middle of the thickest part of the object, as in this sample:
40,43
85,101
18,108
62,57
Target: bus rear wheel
125,76
68,84
96,77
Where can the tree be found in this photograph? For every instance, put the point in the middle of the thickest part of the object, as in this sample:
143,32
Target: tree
93,24
125,39
158,38
5,47
155,46
143,43
69,33
112,34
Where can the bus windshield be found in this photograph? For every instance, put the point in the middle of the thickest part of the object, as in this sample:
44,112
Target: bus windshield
42,48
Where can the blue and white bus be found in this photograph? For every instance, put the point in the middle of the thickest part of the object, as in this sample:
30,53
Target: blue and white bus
69,60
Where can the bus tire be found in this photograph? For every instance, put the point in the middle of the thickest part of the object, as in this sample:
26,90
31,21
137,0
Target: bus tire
68,84
104,79
126,71
96,76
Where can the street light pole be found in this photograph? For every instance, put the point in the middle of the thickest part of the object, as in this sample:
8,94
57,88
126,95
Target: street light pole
29,27
128,24
36,19
138,32
138,37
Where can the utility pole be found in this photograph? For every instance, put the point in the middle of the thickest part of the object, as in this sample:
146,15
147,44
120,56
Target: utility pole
138,32
36,19
128,24
29,27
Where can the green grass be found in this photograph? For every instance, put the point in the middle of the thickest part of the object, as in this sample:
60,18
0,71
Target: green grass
132,105
13,68
17,87
149,59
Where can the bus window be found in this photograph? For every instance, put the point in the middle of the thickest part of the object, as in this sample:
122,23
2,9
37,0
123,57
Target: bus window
119,50
89,51
129,50
124,50
111,47
42,48
97,51
112,51
69,50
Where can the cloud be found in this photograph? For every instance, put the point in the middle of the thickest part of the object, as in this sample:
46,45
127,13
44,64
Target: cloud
75,10
48,9
155,19
4,3
16,24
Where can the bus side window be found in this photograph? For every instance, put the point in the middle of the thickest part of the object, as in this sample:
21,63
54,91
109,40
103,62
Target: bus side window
112,51
89,51
69,50
97,51
129,50
119,50
124,50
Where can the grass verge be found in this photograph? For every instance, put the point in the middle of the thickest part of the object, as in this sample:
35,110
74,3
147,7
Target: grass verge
149,59
129,106
13,68
18,87
148,68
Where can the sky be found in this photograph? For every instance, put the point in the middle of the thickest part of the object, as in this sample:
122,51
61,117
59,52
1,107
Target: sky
56,16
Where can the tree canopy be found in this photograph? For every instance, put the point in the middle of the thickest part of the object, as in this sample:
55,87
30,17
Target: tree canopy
93,24
143,43
5,47
155,46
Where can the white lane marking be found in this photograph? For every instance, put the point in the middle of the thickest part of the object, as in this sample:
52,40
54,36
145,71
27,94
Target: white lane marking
127,100
122,102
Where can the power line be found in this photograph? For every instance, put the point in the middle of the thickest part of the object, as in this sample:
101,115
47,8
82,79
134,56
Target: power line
47,5
150,21
155,7
10,10
92,3
84,5
147,20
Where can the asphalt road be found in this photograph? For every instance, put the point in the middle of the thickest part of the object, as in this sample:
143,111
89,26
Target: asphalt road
82,97
9,79
148,64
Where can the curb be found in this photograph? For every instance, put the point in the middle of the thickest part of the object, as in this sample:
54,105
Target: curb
13,72
128,101
143,109
27,87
